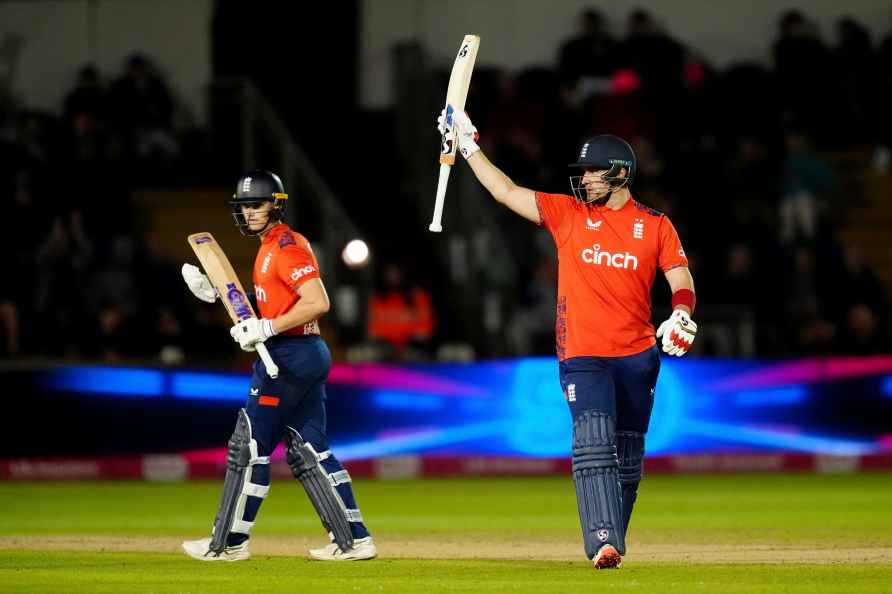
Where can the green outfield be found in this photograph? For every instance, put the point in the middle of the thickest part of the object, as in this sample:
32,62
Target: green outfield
745,533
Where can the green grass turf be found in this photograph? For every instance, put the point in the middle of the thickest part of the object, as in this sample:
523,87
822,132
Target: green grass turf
776,510
41,571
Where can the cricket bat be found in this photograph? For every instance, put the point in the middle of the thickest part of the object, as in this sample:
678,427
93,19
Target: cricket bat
219,271
456,94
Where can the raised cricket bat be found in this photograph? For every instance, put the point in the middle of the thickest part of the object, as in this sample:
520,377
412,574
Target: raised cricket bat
455,102
216,265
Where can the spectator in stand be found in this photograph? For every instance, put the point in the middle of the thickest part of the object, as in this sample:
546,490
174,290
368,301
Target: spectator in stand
9,320
142,110
862,311
60,301
531,328
87,96
811,331
807,181
801,59
401,315
659,61
590,54
854,63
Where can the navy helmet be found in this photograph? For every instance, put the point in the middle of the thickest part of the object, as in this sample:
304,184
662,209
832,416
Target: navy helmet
609,153
258,186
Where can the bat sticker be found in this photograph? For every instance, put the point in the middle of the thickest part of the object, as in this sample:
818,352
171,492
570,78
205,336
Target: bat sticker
238,301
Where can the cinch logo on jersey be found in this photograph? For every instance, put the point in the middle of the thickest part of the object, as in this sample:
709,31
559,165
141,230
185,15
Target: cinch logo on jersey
238,301
299,272
259,293
594,255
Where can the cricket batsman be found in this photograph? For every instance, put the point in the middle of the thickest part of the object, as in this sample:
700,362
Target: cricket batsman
290,298
609,249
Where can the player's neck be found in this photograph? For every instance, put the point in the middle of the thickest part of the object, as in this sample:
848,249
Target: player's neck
269,227
618,199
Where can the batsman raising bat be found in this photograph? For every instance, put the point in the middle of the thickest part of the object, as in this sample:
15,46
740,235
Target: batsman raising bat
609,249
291,298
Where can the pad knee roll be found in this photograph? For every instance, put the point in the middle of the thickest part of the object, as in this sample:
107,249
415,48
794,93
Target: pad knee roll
596,476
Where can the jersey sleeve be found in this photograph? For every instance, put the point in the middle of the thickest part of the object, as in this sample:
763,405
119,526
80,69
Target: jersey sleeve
671,253
553,211
296,264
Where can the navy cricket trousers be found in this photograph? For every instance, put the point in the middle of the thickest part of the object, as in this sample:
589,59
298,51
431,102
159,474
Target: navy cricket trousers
296,398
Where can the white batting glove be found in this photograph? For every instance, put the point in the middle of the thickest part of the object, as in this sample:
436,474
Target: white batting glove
678,333
249,332
198,283
461,128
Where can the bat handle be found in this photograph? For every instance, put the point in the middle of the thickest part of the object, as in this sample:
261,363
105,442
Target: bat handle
436,225
271,368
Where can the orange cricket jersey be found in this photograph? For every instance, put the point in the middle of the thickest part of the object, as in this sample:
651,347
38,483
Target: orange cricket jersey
607,261
285,262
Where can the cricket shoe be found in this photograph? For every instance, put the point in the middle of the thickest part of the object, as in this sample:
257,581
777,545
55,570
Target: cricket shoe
607,558
200,549
363,548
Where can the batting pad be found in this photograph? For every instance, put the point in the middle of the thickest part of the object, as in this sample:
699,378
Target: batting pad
595,474
306,466
630,451
237,487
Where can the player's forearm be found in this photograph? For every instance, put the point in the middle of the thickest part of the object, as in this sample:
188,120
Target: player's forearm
491,177
680,279
303,312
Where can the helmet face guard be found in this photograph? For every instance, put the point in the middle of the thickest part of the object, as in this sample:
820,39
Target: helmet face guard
607,153
254,188
611,177
276,213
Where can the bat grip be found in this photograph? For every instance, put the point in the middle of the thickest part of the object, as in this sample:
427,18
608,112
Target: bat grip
436,225
271,368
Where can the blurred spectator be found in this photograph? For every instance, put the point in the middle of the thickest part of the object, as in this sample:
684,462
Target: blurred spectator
61,309
861,310
401,314
142,110
657,58
531,330
855,66
87,97
812,332
591,53
9,324
863,333
807,181
801,60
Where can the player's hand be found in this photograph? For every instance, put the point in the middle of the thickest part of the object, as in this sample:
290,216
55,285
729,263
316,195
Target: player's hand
249,332
198,283
678,333
461,128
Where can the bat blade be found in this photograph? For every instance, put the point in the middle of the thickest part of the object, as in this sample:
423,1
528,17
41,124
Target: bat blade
223,277
456,94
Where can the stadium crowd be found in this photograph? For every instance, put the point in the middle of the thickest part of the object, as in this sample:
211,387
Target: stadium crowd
756,166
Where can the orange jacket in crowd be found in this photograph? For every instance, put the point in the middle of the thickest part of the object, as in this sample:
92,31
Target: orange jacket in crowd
395,319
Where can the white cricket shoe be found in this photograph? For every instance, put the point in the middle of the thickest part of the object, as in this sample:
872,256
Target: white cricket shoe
200,549
363,548
607,558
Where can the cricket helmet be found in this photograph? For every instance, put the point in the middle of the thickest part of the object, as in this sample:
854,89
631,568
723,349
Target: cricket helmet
258,186
609,153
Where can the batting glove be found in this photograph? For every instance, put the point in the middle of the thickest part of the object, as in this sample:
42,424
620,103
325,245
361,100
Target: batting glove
463,129
198,283
249,332
678,333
